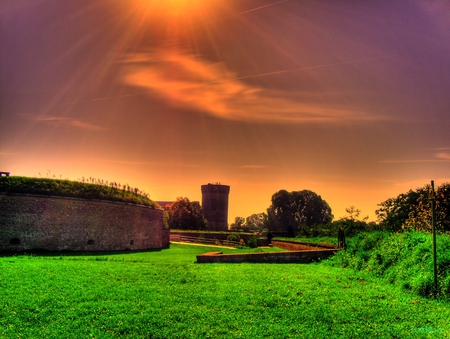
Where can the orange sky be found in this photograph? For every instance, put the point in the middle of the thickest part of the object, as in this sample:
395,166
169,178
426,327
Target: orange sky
348,99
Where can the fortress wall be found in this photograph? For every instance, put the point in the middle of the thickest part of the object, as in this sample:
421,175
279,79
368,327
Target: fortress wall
55,224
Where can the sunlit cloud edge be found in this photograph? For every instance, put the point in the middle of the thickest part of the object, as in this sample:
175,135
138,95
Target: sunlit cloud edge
186,80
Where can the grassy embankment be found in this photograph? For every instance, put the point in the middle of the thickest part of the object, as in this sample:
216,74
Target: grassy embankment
93,189
404,259
166,295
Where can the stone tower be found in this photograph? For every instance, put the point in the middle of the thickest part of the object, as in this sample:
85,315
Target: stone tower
215,206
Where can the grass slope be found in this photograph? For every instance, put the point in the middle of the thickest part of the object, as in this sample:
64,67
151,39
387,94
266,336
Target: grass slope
74,189
403,259
166,295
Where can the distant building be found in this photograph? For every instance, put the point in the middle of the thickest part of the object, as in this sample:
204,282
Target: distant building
215,206
163,204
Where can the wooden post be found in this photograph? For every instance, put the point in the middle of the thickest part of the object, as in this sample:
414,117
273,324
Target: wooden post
432,197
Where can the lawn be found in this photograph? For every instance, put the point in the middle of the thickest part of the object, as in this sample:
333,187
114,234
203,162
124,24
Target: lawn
164,294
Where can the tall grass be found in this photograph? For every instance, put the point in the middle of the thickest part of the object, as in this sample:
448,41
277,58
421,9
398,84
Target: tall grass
86,188
403,259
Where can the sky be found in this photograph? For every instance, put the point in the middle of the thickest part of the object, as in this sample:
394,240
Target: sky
349,99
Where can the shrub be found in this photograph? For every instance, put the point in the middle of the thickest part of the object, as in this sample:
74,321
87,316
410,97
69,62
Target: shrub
234,237
252,242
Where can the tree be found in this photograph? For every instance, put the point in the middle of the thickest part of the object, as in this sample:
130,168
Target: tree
412,210
419,217
394,212
186,215
353,214
256,222
238,223
296,211
351,224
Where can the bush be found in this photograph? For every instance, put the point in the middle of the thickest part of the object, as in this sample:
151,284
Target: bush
252,242
234,237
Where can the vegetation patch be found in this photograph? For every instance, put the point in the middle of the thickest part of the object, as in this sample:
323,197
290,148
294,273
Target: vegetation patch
404,259
87,189
166,295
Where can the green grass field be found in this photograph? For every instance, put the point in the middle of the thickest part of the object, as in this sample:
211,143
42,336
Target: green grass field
166,295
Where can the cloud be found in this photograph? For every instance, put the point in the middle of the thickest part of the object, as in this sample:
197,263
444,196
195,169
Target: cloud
186,80
439,157
443,156
69,122
409,161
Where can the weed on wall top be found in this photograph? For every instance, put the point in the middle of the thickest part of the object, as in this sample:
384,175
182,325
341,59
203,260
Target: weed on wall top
86,189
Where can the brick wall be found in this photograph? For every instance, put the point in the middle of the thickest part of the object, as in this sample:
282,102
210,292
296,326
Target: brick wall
274,257
298,246
55,224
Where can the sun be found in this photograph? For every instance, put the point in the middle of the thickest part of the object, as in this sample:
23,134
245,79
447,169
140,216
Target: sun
175,8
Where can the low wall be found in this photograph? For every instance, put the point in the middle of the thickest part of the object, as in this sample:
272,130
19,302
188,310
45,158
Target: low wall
273,257
175,236
54,224
299,246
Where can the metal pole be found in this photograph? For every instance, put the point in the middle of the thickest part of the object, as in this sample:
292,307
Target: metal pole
433,224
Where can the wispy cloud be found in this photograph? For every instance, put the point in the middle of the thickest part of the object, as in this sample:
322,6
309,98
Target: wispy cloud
70,122
189,81
438,157
412,161
443,156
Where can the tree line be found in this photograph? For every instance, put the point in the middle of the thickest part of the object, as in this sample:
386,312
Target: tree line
305,213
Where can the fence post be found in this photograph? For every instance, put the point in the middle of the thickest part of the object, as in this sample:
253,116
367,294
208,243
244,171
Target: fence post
432,197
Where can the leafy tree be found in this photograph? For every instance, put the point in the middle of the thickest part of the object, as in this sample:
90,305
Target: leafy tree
297,211
238,223
186,215
351,223
393,212
412,210
256,222
420,217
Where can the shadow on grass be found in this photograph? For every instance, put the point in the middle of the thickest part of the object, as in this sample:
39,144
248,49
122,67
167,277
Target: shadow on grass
48,253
